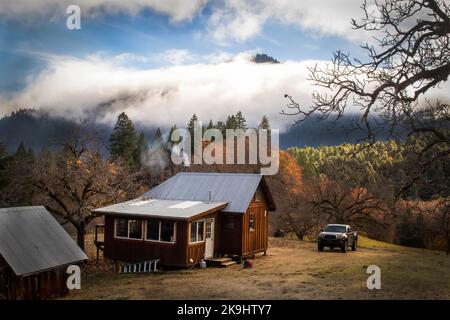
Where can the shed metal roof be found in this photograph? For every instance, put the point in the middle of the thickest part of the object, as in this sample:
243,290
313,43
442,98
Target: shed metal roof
175,209
32,241
237,189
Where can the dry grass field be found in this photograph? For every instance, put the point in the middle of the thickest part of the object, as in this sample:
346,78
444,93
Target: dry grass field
291,270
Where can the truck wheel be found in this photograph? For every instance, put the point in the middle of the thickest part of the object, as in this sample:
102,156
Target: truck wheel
354,245
320,247
344,247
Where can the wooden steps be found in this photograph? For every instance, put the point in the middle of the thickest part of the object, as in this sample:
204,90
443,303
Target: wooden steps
220,262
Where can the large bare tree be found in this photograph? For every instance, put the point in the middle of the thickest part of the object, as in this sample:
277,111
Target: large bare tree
77,179
409,56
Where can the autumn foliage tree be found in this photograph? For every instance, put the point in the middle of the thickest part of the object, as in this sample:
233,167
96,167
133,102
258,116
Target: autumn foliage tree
288,191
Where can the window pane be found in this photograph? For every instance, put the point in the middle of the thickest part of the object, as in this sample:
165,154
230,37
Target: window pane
251,223
152,229
193,232
208,230
167,231
200,231
122,228
135,229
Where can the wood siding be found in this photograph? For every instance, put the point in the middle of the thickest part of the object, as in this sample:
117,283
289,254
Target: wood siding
229,240
130,250
256,240
196,251
44,285
238,240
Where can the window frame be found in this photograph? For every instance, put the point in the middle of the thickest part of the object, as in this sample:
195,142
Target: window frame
159,232
196,236
251,223
128,229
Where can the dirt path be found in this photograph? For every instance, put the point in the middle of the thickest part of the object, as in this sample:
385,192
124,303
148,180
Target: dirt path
291,270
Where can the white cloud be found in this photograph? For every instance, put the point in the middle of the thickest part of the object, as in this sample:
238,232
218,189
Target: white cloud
239,20
177,10
230,20
75,88
176,56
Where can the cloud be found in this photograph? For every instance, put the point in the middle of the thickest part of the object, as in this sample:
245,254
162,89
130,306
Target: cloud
176,56
239,20
80,88
226,20
177,10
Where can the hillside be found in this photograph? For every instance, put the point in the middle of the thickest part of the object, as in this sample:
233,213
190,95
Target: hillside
291,270
37,129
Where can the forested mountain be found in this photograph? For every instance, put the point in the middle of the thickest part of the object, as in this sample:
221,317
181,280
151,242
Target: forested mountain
264,58
382,168
37,129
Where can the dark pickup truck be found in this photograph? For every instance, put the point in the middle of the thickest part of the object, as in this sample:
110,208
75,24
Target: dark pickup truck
337,236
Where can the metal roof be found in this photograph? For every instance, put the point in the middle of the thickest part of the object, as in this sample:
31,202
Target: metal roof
237,189
175,209
32,241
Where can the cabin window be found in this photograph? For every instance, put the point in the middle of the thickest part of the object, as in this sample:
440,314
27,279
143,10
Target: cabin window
251,223
162,231
122,228
197,231
135,229
152,229
128,228
167,231
208,231
193,232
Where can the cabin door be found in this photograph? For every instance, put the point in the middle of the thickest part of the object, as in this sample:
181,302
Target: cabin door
209,238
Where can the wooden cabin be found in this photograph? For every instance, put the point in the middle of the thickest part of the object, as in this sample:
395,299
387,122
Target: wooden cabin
34,254
191,217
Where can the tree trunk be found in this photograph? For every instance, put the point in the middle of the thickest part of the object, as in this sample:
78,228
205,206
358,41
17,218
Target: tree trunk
80,237
300,235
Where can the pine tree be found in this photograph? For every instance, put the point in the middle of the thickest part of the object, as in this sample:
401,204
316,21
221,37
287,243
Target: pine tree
2,151
264,124
191,124
231,122
210,125
158,139
221,126
21,151
123,140
30,154
241,123
169,142
142,147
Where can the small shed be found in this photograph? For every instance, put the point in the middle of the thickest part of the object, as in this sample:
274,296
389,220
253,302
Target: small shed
34,254
190,217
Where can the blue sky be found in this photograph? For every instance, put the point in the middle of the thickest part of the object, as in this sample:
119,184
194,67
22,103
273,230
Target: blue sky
169,57
145,34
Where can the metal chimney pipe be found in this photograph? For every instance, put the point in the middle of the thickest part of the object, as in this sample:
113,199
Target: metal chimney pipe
210,195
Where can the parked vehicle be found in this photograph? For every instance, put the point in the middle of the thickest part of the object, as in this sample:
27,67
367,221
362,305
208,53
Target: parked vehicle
337,235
